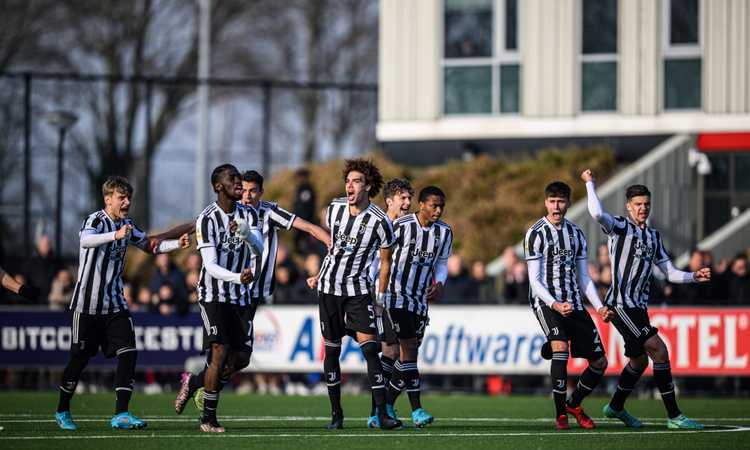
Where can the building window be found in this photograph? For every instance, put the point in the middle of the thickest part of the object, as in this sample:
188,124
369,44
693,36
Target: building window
727,189
599,55
682,54
481,63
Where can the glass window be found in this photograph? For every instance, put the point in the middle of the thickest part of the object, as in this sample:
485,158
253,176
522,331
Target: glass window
682,83
599,86
468,28
468,90
510,88
599,26
742,172
718,179
717,212
683,19
511,21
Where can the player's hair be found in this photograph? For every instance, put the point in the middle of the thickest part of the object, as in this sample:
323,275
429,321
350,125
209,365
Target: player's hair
117,183
429,191
216,174
397,186
252,176
370,170
557,189
636,190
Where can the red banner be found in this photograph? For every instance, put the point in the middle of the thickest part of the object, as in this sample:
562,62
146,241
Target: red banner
701,341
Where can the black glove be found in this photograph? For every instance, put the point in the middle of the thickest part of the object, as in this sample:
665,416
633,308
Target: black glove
29,292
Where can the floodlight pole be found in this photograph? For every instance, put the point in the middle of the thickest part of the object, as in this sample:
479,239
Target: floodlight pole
204,69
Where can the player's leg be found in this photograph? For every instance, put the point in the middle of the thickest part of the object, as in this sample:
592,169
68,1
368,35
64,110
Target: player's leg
83,346
585,342
388,355
218,322
333,330
659,354
631,373
121,343
552,325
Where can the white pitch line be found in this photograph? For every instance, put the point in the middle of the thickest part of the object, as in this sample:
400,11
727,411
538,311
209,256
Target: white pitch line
557,434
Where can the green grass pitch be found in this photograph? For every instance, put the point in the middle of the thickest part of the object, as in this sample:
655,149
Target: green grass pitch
462,421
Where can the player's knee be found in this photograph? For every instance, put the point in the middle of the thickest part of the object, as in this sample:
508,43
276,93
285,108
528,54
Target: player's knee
409,349
219,354
599,364
656,349
559,346
390,351
639,363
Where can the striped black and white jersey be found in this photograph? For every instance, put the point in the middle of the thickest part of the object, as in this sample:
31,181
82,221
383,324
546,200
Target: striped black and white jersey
416,253
355,241
272,217
212,229
633,253
558,249
99,289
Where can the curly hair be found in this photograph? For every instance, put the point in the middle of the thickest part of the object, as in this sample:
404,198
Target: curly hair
373,178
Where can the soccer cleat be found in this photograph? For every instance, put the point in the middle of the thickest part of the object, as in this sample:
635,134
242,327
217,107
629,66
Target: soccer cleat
198,399
623,415
183,395
391,411
584,421
127,421
211,425
337,421
682,422
388,423
421,418
65,421
373,422
562,422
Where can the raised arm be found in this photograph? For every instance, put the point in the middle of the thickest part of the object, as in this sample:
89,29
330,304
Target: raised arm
596,210
676,276
313,230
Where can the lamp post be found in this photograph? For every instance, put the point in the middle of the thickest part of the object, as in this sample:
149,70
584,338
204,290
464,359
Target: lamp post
62,120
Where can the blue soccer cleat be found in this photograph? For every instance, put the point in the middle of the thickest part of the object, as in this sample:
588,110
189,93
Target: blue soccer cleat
683,423
421,418
373,422
127,421
65,421
623,415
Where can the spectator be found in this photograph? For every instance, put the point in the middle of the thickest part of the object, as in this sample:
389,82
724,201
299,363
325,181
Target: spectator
42,268
283,260
311,267
304,208
193,277
482,288
693,293
738,281
602,256
285,292
605,279
167,273
127,292
145,302
61,291
458,286
166,300
517,285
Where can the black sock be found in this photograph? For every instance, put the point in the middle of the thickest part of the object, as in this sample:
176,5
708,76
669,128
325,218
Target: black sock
374,372
663,379
559,372
124,378
70,378
628,378
413,383
386,364
223,381
396,385
587,382
210,403
332,369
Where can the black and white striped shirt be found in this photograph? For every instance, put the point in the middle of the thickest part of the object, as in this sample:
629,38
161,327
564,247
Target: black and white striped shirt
355,241
416,253
559,249
271,217
99,289
212,230
633,253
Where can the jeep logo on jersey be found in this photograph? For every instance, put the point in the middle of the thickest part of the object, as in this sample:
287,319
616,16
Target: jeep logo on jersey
229,243
344,241
642,250
564,252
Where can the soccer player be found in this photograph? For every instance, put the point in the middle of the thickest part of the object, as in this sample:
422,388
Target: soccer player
100,313
558,273
271,217
397,194
634,250
419,256
359,229
229,242
26,291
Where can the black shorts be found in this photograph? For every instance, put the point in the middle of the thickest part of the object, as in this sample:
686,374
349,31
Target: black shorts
110,332
386,333
578,328
635,328
340,316
228,324
407,324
